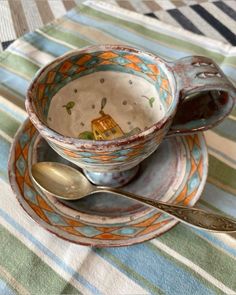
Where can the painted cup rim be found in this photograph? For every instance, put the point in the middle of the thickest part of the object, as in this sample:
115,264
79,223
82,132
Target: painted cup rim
56,137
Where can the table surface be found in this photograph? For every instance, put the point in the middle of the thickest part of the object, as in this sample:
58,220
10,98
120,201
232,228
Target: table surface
182,261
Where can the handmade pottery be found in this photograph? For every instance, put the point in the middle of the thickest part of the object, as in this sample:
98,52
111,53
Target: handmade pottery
175,173
108,107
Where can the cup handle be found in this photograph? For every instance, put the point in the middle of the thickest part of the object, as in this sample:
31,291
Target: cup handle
206,96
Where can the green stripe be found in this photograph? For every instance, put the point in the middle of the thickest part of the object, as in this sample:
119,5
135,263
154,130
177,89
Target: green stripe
144,283
207,205
174,42
214,261
67,37
19,64
222,172
28,269
181,265
8,124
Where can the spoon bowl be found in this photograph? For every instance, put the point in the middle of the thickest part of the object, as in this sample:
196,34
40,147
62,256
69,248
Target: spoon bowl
61,180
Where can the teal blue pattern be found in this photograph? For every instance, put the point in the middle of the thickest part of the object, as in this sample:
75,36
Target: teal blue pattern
54,218
196,153
129,231
23,140
30,194
21,165
193,182
88,231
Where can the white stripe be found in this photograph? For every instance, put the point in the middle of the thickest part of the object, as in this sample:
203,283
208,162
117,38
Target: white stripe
17,53
232,117
56,40
220,15
99,269
88,264
190,2
215,141
227,239
18,112
32,14
13,282
205,275
6,136
30,52
57,8
166,17
113,2
230,3
200,23
140,6
7,31
166,4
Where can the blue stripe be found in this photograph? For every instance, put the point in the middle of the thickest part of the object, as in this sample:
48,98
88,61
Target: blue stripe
4,154
13,81
45,44
5,289
214,241
49,253
220,199
123,34
150,264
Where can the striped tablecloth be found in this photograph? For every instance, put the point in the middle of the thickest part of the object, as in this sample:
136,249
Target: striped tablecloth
182,261
212,18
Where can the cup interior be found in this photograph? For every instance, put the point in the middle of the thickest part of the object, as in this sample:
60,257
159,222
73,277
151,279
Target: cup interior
102,94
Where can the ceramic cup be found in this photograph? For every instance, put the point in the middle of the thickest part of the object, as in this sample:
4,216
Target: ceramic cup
108,107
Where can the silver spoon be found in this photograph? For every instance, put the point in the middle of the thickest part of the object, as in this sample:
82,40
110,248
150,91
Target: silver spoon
67,183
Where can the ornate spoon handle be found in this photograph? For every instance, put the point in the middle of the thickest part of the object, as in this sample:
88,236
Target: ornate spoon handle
192,216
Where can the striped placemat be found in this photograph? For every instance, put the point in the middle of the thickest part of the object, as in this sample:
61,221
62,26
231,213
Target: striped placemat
182,261
212,18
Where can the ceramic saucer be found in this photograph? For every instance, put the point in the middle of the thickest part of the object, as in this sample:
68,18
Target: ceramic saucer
176,173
